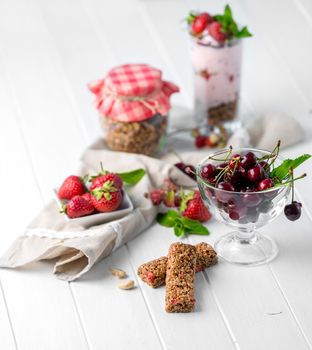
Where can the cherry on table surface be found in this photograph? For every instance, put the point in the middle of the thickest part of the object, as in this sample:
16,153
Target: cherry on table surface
293,211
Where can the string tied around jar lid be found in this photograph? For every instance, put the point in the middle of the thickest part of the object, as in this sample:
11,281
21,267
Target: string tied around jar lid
148,101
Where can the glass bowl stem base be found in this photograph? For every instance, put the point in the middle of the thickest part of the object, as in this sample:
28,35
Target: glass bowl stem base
246,248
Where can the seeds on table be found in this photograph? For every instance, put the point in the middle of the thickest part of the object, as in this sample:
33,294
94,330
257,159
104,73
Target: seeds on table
126,285
117,272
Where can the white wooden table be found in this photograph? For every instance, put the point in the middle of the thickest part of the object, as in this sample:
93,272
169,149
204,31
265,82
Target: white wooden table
49,50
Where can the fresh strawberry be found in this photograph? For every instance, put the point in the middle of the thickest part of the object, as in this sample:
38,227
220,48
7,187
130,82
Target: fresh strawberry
215,30
78,206
107,197
100,180
200,23
194,208
200,141
87,196
157,196
72,186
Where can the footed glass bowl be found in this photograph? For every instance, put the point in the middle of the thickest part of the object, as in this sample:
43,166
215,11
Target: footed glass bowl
245,212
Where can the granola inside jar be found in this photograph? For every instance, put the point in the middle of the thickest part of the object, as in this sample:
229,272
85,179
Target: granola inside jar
134,103
145,137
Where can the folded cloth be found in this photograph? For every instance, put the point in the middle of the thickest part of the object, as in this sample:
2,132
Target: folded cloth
264,131
76,248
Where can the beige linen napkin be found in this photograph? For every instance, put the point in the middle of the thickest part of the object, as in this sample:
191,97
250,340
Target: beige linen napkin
76,248
264,131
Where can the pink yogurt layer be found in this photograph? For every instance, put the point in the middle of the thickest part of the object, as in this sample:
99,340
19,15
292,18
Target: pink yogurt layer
217,73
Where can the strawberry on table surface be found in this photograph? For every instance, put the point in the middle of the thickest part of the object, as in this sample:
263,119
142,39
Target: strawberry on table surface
194,208
72,186
78,206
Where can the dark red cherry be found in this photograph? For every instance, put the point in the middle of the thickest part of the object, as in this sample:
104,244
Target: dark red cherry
242,172
208,171
293,211
180,166
248,160
265,184
234,162
225,196
190,171
256,173
251,199
234,215
263,163
238,207
226,186
187,169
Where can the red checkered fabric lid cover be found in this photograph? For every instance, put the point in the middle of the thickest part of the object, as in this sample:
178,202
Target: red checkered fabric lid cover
132,92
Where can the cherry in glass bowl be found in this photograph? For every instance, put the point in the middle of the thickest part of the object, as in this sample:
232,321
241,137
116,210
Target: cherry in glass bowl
243,209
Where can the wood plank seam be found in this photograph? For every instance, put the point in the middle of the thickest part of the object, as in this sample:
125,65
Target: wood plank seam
79,316
25,143
159,43
215,299
134,272
8,315
290,307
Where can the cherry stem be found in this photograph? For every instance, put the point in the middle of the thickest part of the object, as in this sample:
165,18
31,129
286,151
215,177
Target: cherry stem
292,180
275,153
292,185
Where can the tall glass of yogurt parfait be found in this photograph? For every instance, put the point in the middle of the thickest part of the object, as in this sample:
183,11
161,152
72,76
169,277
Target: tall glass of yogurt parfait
216,55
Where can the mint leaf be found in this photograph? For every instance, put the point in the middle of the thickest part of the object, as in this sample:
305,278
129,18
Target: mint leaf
179,229
194,226
191,17
181,225
243,33
229,25
168,219
132,177
282,171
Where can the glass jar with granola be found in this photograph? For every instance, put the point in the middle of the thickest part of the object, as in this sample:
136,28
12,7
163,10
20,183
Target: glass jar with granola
134,102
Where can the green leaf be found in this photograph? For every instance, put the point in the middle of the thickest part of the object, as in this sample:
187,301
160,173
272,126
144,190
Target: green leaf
228,12
194,226
243,33
132,177
282,171
229,25
179,229
168,219
191,17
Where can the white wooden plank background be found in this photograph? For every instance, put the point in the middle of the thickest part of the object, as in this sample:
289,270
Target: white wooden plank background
49,51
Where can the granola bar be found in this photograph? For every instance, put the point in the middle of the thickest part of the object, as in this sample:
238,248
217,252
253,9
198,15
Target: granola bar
154,272
180,278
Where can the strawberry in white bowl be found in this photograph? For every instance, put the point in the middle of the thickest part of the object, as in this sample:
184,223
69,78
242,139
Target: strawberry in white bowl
104,200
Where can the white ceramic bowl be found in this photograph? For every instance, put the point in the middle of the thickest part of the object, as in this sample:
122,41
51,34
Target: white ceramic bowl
125,208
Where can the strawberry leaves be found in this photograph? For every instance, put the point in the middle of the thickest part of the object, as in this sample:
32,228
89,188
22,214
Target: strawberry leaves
132,177
181,225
